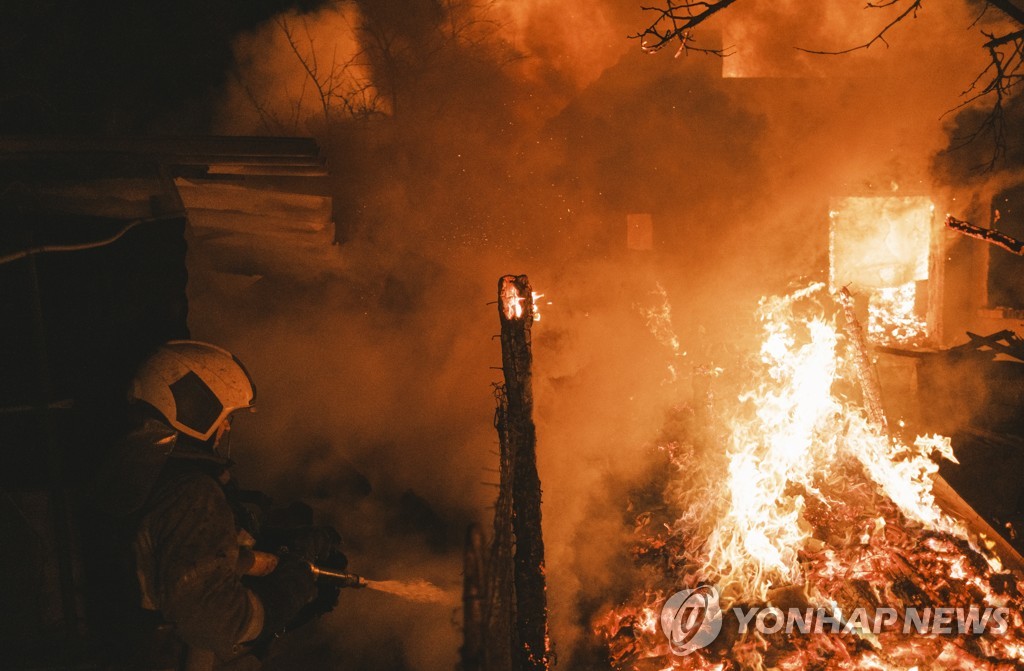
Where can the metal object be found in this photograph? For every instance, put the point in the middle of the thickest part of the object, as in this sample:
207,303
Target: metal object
338,578
258,563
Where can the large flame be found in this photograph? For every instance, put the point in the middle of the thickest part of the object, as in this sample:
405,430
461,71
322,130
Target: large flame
784,441
808,496
778,441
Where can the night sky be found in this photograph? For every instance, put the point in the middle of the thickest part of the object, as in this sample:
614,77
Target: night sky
118,67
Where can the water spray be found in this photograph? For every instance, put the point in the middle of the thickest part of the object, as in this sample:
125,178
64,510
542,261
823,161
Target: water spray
420,591
260,563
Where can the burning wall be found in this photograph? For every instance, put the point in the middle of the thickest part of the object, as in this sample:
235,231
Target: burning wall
883,246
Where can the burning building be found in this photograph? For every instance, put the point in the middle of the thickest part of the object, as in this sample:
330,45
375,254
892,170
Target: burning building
839,450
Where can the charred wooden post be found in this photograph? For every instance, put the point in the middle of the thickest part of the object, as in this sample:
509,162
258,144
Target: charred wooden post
516,312
499,605
1001,240
866,375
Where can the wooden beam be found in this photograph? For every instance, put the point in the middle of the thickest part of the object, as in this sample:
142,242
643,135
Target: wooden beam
1001,240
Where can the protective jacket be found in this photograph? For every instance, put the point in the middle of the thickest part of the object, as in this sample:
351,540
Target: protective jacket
181,541
186,555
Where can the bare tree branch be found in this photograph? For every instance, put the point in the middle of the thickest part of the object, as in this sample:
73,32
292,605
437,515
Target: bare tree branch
997,80
336,86
270,122
1004,39
308,63
675,23
910,11
1009,8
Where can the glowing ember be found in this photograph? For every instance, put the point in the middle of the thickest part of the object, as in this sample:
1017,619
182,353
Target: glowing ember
892,317
511,301
809,505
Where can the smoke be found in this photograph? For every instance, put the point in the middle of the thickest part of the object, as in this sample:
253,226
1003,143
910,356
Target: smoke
296,72
573,42
516,137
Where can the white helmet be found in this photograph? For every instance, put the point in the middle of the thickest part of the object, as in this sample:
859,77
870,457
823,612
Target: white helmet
194,385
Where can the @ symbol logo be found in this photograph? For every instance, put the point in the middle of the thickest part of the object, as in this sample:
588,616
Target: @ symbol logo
692,619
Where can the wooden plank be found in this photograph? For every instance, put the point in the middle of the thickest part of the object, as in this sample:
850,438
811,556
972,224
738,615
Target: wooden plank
273,170
309,185
955,506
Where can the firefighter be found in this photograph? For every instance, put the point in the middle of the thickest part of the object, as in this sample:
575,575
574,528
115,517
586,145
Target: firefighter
189,562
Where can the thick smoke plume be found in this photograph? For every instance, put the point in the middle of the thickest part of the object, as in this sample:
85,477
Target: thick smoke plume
515,137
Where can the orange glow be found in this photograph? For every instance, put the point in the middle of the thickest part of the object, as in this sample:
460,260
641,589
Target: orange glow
512,302
809,498
881,248
892,316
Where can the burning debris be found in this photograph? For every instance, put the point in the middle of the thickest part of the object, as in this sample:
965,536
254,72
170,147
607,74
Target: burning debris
892,317
989,235
812,508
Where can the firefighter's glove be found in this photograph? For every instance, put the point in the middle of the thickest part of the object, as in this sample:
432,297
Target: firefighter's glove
285,592
327,592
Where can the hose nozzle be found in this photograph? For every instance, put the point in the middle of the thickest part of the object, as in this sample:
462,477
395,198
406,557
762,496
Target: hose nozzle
338,578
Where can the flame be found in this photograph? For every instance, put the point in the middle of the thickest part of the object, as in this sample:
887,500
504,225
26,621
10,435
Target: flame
512,302
808,495
658,318
536,310
784,442
892,317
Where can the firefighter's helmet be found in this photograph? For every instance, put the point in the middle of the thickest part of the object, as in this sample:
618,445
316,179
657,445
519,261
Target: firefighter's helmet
194,385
